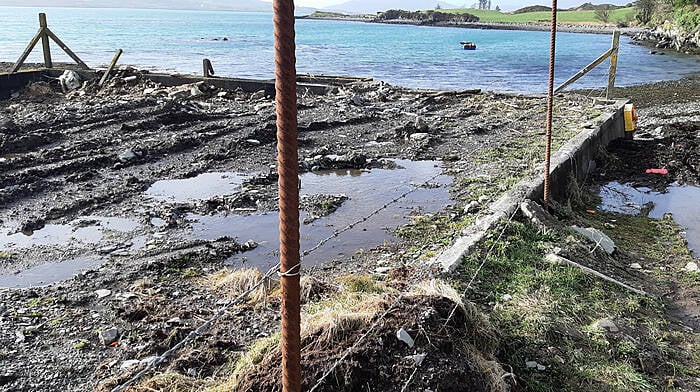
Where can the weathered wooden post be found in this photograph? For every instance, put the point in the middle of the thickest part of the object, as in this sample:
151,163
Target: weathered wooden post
110,68
44,34
207,68
613,63
45,41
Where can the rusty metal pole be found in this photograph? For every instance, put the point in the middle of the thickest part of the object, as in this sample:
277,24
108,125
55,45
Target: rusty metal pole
288,169
550,103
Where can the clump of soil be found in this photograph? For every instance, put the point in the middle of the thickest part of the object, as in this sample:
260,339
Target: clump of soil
450,354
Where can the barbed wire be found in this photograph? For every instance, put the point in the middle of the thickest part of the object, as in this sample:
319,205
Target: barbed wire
351,349
272,271
197,332
483,261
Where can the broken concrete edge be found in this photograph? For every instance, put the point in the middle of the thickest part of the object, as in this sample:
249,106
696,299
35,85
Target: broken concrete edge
13,82
571,161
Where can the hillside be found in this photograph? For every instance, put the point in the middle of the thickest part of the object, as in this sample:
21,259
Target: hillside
576,17
373,6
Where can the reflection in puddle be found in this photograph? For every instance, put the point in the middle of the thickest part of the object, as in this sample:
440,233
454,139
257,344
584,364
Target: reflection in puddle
367,191
204,186
44,274
682,201
86,230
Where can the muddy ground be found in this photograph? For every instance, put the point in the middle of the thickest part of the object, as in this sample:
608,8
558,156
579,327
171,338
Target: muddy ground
81,163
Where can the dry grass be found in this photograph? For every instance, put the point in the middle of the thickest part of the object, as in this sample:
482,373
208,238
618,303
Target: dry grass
169,382
232,283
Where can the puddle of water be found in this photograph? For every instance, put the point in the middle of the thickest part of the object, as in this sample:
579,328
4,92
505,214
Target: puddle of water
683,201
201,187
85,230
367,191
45,274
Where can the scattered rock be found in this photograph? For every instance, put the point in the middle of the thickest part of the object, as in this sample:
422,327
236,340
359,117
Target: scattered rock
531,364
403,336
691,267
636,266
69,80
127,155
253,142
109,336
416,137
608,325
598,237
101,293
471,207
507,297
129,364
257,95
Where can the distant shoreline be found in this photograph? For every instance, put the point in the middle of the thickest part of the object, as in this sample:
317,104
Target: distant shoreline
564,28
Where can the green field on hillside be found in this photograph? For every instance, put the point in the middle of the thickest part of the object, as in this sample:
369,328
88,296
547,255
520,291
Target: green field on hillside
619,15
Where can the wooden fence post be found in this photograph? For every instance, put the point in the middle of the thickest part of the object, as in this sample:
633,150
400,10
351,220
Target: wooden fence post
45,41
613,63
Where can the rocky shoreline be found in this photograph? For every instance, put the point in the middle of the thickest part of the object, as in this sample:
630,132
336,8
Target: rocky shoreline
666,36
539,26
670,37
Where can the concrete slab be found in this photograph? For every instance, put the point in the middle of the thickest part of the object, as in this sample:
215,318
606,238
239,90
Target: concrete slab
571,161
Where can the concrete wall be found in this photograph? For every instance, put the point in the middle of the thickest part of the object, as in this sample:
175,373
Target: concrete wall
571,161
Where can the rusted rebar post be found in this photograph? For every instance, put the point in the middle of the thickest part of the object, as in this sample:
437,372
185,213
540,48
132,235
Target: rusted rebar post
288,169
550,103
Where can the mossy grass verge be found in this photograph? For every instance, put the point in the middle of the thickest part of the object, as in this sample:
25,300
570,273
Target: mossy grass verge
549,315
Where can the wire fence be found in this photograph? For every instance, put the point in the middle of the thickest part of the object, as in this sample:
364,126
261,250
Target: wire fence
270,273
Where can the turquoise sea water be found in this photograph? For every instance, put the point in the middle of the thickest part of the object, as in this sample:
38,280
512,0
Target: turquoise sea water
425,57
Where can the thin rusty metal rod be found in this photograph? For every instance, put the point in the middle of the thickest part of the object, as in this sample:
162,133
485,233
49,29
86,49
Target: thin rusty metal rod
550,104
288,169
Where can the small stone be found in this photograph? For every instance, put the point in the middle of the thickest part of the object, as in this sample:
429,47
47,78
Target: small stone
417,137
636,266
129,364
258,95
127,155
507,297
174,320
101,293
531,364
471,206
541,367
382,270
421,125
253,142
597,237
109,336
607,324
403,336
148,360
418,359
483,199
691,267
222,94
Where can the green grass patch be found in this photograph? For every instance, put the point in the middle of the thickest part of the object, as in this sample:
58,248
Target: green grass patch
550,315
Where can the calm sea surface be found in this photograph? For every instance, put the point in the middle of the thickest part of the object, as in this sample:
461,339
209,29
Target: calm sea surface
425,57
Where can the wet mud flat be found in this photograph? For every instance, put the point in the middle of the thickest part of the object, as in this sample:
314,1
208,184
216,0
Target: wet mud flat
657,175
144,192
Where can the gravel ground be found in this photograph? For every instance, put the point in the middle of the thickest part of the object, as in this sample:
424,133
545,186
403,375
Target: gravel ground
71,160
